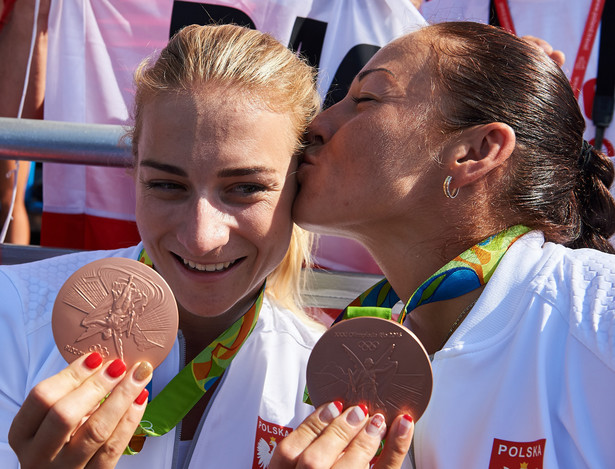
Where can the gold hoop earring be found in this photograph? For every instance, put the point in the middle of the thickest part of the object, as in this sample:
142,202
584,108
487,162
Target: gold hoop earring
447,189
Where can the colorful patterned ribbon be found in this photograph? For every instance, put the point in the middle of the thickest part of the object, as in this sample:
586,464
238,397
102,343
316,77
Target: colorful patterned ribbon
172,404
465,273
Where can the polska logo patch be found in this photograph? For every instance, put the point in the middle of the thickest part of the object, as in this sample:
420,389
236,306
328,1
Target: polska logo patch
516,455
268,435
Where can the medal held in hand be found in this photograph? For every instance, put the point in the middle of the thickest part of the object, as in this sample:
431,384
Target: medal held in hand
371,361
118,307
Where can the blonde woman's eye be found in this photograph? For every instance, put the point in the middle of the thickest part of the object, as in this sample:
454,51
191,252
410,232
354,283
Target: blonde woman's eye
163,185
248,189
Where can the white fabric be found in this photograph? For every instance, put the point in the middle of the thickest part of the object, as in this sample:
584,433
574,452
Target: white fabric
266,379
559,22
534,359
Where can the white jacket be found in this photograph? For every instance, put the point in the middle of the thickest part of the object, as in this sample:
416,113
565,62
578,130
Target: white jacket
529,376
258,401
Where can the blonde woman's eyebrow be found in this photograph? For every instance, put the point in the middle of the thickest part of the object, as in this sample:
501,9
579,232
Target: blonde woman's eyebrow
223,173
165,167
248,171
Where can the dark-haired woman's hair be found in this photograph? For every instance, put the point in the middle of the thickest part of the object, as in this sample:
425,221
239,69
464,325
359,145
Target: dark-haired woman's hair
556,182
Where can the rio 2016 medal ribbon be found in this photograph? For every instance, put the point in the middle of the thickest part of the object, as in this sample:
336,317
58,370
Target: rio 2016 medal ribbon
371,361
118,307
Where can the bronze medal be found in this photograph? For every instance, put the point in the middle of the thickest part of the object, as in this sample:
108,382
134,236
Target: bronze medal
118,307
371,361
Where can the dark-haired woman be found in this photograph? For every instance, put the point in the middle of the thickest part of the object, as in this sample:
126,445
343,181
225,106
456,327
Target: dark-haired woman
462,157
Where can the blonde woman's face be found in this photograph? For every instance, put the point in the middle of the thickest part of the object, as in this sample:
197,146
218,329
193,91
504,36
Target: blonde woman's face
215,185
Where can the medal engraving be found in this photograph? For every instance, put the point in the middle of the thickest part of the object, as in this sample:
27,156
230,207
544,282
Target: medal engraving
374,362
118,307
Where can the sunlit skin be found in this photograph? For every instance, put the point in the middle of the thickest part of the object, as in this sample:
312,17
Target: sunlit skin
369,175
368,172
214,195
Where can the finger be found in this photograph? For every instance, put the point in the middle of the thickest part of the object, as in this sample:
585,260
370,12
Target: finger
45,394
397,443
288,450
539,43
67,413
103,437
334,439
558,57
363,447
110,452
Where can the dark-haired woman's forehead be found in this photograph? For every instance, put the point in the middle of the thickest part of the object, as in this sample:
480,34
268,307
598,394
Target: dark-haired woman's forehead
405,61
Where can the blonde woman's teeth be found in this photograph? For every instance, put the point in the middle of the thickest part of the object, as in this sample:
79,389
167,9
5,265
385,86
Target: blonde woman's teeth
207,267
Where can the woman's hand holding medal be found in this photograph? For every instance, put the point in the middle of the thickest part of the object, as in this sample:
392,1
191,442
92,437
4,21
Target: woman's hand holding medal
114,321
63,423
371,378
337,438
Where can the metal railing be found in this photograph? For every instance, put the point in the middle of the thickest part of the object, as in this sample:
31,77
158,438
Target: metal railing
63,142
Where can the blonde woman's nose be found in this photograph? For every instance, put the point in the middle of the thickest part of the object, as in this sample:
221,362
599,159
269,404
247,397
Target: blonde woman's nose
206,228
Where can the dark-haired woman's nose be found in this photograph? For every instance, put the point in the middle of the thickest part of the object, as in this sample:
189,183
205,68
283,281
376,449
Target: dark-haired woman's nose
324,126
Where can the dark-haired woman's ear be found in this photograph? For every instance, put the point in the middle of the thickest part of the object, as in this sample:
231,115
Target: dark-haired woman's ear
477,151
556,55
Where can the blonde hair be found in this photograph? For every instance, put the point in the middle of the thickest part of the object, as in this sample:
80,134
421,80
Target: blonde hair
271,74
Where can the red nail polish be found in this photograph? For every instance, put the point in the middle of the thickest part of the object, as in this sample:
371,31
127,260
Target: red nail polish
339,405
405,424
142,397
93,360
116,368
376,425
364,408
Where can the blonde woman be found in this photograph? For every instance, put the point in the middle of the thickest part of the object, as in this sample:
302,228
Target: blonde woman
219,119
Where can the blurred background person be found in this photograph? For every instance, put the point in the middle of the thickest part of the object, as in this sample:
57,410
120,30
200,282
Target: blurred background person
23,50
583,30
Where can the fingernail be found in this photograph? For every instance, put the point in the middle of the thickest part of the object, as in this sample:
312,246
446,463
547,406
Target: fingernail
333,410
93,360
405,424
376,426
142,397
357,414
116,368
143,371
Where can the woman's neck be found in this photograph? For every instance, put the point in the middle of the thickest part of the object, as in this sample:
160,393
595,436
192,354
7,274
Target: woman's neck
434,323
201,330
406,265
408,257
408,262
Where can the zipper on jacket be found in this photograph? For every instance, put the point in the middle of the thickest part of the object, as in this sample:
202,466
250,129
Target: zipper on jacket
178,428
204,417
